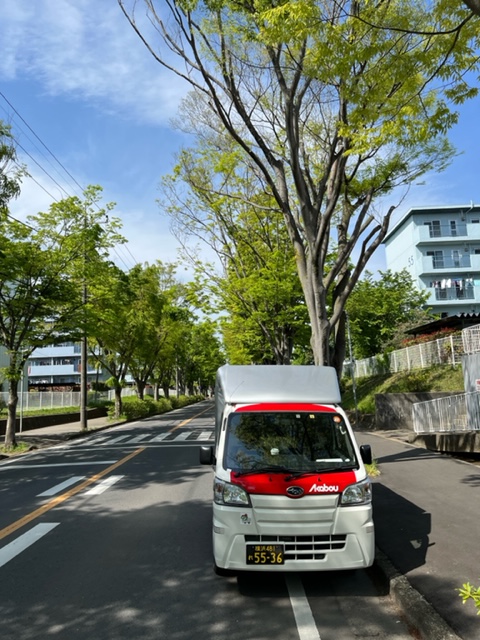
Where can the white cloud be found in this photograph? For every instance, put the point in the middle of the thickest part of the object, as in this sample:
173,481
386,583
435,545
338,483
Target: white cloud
86,49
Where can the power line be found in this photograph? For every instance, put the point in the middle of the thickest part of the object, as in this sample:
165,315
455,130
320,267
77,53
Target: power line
41,142
62,189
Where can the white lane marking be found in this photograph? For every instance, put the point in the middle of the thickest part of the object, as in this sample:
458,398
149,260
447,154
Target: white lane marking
136,439
117,439
60,487
103,486
60,464
182,436
307,629
21,543
159,438
205,435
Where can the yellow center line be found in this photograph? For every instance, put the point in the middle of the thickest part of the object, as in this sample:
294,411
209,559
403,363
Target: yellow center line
54,502
184,422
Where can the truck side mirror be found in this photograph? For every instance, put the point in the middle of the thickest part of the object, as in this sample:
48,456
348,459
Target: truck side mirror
366,453
206,455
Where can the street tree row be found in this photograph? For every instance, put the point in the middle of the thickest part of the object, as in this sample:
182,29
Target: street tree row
316,113
58,283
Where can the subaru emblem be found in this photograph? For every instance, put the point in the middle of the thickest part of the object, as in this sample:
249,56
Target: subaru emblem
295,492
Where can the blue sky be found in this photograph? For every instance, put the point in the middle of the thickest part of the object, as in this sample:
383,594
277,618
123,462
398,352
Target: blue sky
85,84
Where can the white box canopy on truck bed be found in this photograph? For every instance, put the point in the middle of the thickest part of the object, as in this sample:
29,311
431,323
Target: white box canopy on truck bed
243,384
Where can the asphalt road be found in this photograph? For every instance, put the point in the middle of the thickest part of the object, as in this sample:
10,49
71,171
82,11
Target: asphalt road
109,537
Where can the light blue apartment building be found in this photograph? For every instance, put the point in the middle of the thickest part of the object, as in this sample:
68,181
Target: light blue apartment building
440,248
59,366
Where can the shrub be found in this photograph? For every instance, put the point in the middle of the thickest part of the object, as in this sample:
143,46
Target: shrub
136,409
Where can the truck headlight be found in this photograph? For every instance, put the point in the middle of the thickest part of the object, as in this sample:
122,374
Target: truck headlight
231,494
358,493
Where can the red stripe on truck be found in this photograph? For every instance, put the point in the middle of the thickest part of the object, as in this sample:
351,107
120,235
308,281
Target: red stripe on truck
287,406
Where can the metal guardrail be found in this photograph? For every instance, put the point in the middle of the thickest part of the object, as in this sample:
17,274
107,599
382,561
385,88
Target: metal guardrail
451,414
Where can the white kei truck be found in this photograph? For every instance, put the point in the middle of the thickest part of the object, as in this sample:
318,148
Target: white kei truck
290,492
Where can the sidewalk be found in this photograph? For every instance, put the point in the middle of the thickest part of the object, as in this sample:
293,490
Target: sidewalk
56,434
426,512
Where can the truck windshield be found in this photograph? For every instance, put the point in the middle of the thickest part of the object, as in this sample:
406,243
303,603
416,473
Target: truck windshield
288,440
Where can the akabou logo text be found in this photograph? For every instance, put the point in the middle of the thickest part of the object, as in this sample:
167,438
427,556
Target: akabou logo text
324,488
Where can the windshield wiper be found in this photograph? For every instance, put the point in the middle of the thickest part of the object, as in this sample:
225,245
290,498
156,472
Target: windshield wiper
269,469
316,472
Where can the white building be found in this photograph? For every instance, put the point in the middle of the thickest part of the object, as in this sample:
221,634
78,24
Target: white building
440,248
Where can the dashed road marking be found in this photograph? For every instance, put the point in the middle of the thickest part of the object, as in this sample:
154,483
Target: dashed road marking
103,486
64,496
60,487
21,543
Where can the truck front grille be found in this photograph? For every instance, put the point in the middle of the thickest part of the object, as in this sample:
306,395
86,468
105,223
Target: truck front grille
303,547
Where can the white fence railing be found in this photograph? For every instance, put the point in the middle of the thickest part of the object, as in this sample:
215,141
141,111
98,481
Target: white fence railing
44,399
419,356
471,339
452,414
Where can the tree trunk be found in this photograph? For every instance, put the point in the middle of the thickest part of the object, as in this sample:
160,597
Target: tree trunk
118,401
10,438
140,388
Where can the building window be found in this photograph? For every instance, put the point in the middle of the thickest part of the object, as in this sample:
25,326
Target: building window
437,259
434,228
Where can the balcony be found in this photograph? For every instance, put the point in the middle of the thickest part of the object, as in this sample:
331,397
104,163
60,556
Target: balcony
48,370
450,266
437,234
455,293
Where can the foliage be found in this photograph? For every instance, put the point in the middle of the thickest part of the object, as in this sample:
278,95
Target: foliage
49,259
439,378
429,337
372,469
329,106
377,307
10,176
258,287
15,449
136,409
469,592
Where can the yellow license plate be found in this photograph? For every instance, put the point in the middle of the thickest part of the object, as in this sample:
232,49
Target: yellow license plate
265,554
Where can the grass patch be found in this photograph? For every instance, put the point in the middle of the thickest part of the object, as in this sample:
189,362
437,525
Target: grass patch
372,469
440,379
20,447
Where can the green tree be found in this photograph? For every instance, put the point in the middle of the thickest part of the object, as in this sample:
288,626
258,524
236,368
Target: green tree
258,286
114,332
10,172
43,267
377,307
329,113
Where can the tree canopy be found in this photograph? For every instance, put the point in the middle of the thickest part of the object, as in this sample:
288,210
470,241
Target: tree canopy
378,307
329,106
44,264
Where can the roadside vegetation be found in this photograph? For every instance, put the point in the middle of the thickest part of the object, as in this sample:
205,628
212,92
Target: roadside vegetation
436,379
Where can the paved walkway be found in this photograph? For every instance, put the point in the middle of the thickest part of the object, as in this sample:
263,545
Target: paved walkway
426,512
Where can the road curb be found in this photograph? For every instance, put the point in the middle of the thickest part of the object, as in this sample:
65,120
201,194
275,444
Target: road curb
418,612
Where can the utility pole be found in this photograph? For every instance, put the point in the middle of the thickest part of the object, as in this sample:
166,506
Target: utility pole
83,349
83,367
